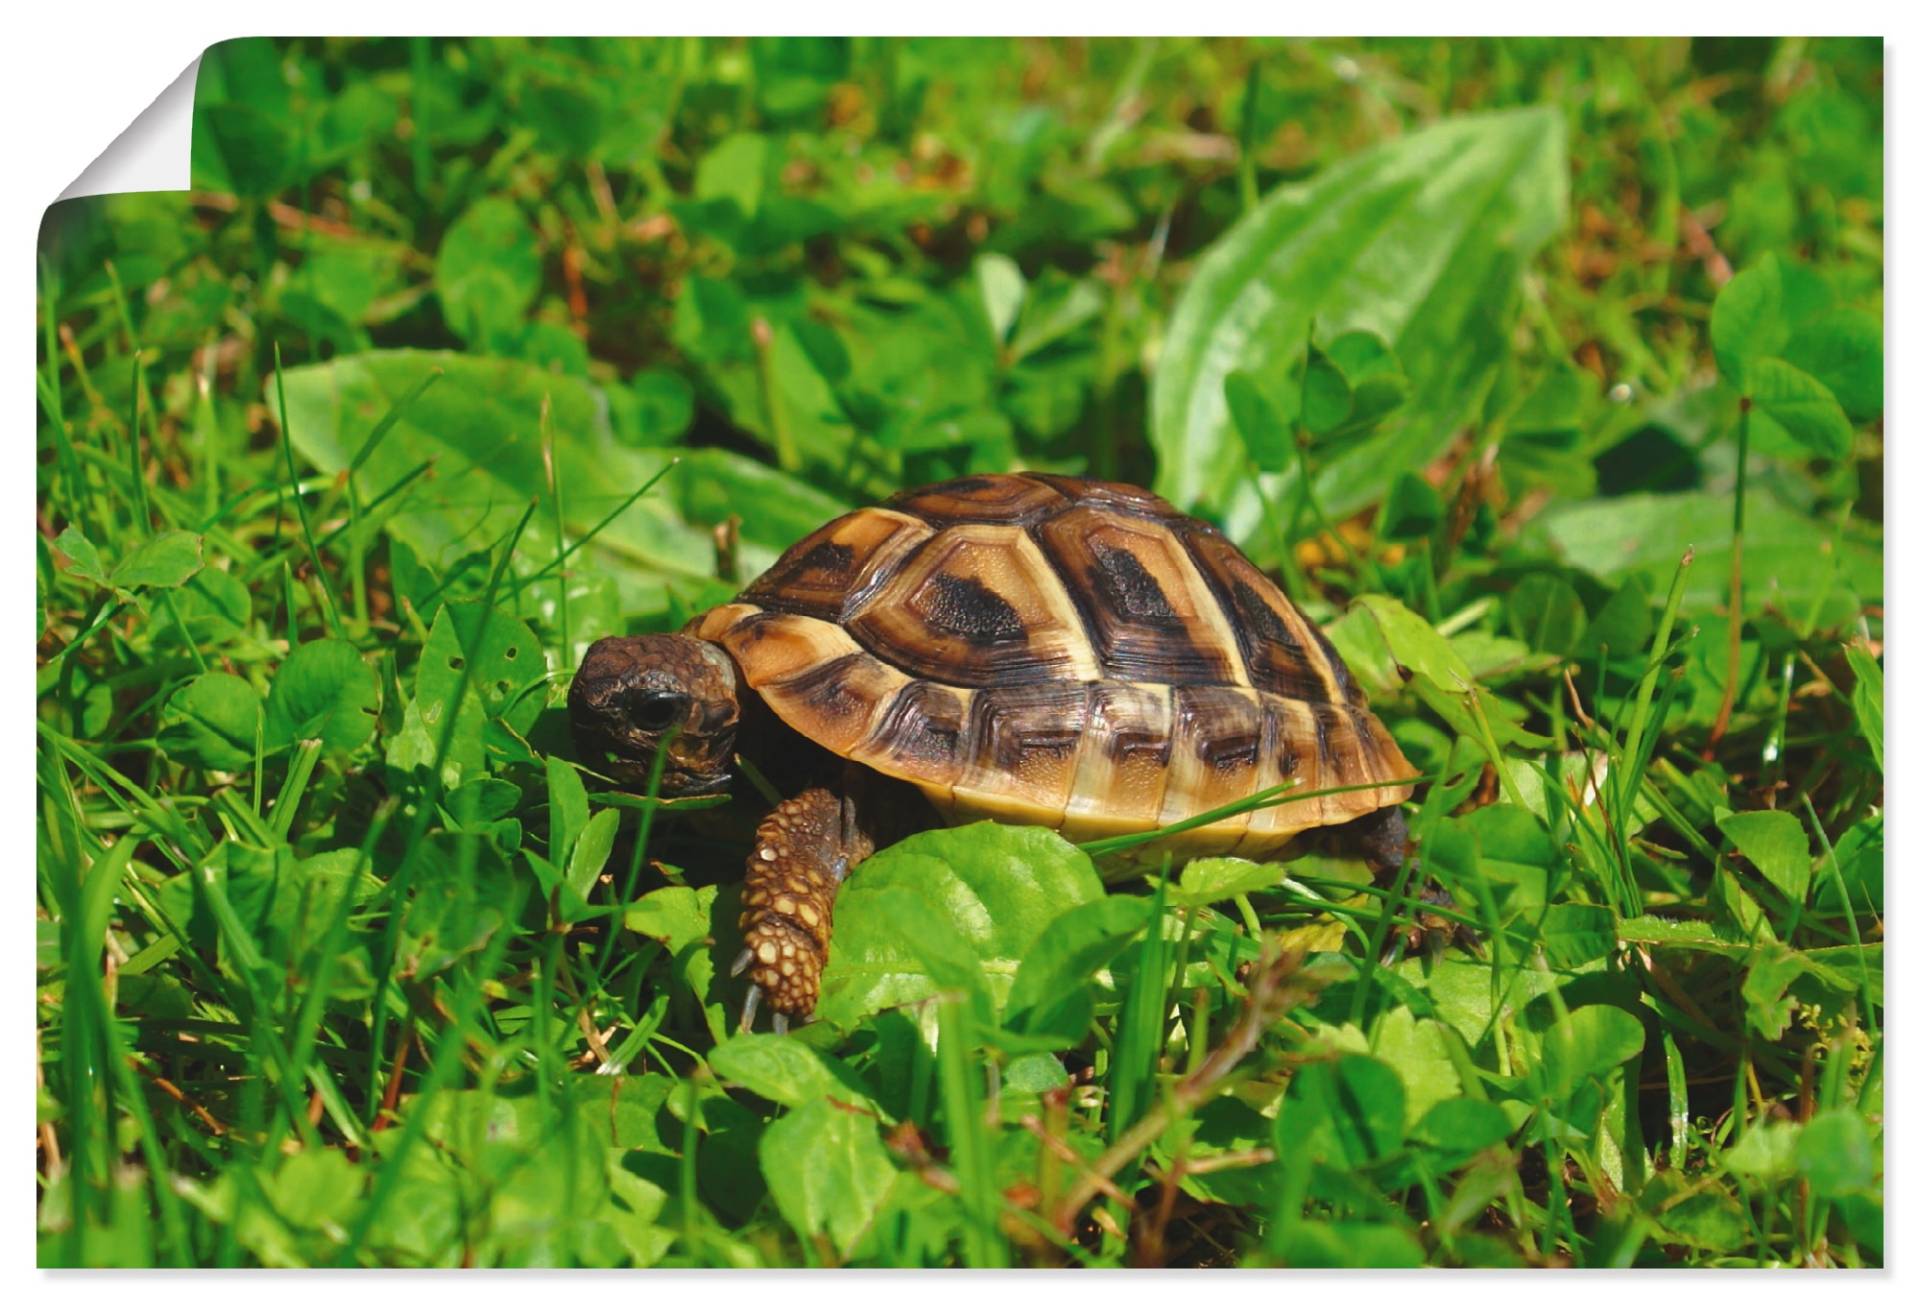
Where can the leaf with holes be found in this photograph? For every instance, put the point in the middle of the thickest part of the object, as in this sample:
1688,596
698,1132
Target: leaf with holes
505,685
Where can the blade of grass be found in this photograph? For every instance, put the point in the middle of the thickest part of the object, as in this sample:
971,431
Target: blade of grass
983,1246
300,503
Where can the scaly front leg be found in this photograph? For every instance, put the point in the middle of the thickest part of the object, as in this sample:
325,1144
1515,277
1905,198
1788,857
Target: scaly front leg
801,852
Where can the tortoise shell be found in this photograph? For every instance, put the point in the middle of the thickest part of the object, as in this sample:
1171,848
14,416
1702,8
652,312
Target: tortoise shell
1061,652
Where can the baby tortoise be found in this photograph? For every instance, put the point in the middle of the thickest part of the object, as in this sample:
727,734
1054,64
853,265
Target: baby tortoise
1031,648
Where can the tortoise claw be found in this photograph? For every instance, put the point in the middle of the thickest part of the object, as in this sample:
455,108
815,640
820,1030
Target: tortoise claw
780,1022
750,1008
741,962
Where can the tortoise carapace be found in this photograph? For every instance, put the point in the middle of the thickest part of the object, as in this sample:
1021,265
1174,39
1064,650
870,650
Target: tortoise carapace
1030,648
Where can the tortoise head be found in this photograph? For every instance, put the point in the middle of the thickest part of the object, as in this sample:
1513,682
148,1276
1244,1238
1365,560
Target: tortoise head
635,697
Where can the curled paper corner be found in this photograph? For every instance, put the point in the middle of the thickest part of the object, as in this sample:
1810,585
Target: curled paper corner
155,152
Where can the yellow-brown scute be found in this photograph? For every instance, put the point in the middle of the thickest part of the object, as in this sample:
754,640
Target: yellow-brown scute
1064,653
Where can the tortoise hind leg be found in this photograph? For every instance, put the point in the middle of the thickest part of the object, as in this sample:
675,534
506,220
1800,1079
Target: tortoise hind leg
1380,838
801,852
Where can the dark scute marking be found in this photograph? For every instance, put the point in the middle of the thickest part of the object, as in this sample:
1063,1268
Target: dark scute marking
964,607
923,726
1006,498
750,630
1323,723
1275,658
827,556
1135,630
1340,676
1369,743
1224,725
1128,734
1129,586
812,583
1028,720
1131,745
832,689
1229,752
1262,619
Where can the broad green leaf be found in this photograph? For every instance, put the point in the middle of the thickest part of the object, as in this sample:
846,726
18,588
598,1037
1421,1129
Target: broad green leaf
735,169
662,406
591,852
211,608
479,803
1362,1102
487,271
1766,1153
1845,352
1545,611
212,721
324,690
1414,644
1417,1051
1749,321
1051,993
1588,1043
990,889
1772,970
566,806
1412,510
784,1070
1002,290
1390,648
1209,879
1790,558
1869,698
166,561
1462,1124
315,1187
1708,1218
675,915
464,893
1326,398
1801,406
1776,843
1574,933
1421,240
1263,420
503,664
1376,385
1837,1154
827,1170
479,428
83,559
1348,1244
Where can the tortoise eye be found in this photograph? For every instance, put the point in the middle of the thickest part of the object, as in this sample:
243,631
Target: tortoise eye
658,711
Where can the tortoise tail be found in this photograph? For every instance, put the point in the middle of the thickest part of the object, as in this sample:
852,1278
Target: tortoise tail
802,850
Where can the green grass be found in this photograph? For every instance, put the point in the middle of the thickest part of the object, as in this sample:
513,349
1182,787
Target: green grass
1560,410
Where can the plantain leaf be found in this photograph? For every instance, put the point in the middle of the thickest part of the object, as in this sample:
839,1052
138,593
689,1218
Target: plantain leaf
478,430
1421,241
